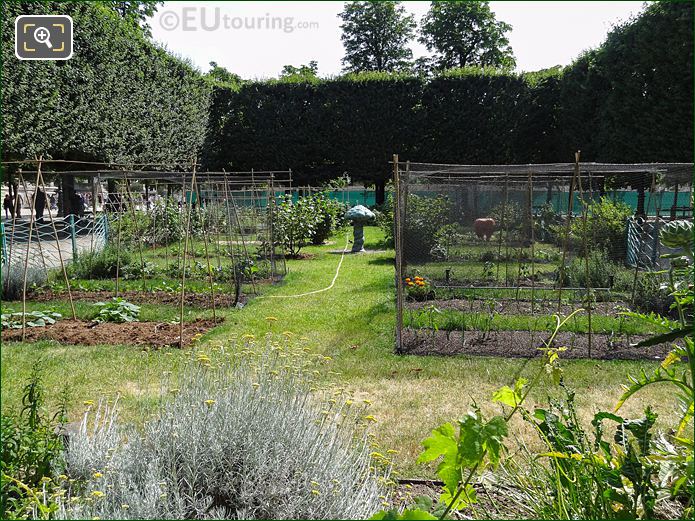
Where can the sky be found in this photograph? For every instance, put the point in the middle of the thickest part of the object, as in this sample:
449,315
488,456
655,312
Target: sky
256,39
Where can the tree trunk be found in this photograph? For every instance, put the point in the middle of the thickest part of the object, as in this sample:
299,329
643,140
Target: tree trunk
674,206
641,192
380,192
68,195
549,193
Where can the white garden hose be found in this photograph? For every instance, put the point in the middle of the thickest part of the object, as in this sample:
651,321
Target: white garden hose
337,272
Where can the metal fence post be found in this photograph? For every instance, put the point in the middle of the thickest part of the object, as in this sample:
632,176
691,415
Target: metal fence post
105,222
4,243
72,235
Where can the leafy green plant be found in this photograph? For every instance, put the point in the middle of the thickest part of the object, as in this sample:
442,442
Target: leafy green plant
117,310
678,368
32,319
582,475
31,455
101,264
604,229
602,271
294,223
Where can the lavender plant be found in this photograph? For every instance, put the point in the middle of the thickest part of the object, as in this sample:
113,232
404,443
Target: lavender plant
239,436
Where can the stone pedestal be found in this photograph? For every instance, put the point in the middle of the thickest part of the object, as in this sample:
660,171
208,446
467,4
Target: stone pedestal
357,237
358,215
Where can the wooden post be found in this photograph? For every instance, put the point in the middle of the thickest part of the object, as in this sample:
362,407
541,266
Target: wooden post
570,202
26,257
398,243
585,247
60,257
185,252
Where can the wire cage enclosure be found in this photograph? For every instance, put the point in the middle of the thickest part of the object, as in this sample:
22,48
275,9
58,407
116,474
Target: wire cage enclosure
486,254
203,238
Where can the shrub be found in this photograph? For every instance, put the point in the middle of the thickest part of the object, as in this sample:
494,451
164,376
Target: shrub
506,215
13,280
329,217
425,216
31,454
242,439
165,225
100,264
294,224
601,271
605,228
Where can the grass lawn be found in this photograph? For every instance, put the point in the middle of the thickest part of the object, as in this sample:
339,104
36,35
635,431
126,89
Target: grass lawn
354,324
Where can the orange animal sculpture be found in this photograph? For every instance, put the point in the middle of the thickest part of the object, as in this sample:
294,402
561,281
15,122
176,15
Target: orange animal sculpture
484,228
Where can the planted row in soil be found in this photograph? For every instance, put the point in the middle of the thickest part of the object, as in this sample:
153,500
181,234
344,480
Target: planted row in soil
525,344
83,332
198,300
517,307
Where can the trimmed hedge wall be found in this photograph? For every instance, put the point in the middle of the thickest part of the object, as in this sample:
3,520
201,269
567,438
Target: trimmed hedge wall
629,100
120,98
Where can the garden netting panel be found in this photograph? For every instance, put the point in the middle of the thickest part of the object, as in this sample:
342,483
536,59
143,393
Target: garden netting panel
540,238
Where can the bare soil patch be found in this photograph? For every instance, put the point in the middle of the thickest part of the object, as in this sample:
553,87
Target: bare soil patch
525,344
198,300
83,332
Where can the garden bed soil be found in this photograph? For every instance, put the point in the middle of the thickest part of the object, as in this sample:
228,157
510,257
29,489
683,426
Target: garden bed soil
83,332
516,307
495,501
525,344
173,298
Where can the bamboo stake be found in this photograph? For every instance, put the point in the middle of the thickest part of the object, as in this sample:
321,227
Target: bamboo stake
533,241
60,257
185,252
567,232
397,203
118,242
207,258
641,243
38,231
585,218
137,232
26,258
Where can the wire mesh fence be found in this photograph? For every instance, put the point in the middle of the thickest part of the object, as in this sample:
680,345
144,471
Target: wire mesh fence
485,253
204,236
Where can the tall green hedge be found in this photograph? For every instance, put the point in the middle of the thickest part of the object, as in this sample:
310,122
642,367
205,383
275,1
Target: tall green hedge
629,100
119,98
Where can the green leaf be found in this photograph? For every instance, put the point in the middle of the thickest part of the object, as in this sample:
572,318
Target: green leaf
465,499
441,442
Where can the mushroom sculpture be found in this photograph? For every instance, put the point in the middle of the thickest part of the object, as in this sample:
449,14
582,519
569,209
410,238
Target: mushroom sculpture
359,215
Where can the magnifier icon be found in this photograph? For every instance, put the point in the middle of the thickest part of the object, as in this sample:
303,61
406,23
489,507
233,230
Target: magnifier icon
43,35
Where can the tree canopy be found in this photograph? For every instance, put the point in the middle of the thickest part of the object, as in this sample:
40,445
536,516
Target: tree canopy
466,33
376,36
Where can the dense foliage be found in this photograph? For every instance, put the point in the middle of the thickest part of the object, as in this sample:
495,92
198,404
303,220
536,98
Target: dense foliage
323,128
376,35
31,451
119,98
463,33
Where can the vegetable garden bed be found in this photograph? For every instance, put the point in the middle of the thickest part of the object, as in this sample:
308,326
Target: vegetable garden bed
84,332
